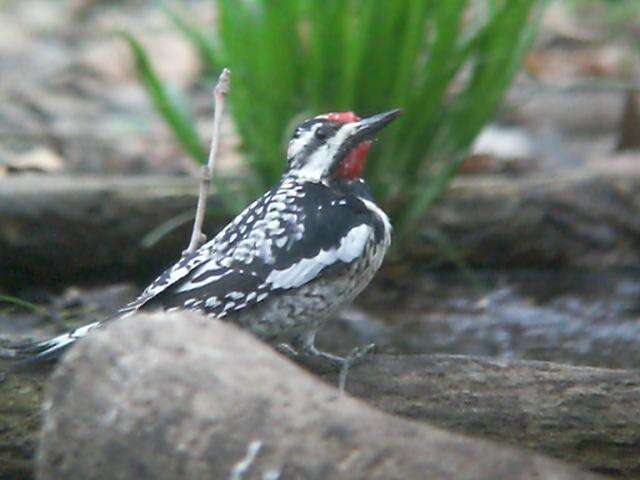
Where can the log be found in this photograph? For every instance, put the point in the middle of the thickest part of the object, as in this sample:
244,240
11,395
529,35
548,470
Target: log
177,396
55,230
585,219
584,415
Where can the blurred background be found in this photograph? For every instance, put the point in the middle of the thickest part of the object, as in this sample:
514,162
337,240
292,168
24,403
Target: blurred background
512,179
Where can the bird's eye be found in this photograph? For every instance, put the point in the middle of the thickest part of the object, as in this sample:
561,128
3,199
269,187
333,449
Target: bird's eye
322,132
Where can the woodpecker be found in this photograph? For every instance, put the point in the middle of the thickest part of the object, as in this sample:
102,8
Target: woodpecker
291,259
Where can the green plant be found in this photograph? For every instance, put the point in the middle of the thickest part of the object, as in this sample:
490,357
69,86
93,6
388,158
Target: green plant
18,302
447,64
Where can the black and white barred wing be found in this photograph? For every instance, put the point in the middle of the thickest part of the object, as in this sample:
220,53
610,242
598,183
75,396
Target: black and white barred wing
209,254
206,256
278,255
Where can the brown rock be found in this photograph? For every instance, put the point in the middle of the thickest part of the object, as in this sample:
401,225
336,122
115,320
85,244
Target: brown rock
179,396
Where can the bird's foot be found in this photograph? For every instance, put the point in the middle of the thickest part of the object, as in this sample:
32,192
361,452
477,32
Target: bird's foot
356,356
342,364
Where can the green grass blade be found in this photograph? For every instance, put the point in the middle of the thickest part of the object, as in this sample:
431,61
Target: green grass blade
500,47
178,120
446,63
22,303
181,124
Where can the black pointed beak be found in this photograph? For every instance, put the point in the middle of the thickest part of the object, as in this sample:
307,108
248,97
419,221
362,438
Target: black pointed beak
368,127
365,130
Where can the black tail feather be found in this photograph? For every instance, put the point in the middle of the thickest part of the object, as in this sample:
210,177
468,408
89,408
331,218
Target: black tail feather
29,353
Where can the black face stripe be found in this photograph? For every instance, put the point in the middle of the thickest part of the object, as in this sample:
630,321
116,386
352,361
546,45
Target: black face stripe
326,130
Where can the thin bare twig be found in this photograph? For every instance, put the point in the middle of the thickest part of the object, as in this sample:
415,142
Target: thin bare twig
219,93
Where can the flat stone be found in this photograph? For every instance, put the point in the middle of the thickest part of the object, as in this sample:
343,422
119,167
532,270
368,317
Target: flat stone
166,396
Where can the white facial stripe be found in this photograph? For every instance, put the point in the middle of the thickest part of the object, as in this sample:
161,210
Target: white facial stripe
297,144
318,164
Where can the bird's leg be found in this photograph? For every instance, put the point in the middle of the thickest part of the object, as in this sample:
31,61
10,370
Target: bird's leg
356,356
305,344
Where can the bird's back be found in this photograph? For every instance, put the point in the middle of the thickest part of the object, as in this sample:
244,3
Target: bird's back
297,234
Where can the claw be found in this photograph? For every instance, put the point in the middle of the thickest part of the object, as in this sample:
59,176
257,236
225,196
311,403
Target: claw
343,364
356,356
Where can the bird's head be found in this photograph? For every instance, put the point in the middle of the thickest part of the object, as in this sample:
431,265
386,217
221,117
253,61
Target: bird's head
334,145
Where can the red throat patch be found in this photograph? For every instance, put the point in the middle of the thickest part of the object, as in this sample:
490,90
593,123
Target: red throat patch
352,166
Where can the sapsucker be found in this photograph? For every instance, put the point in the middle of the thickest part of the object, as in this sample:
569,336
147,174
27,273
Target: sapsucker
292,258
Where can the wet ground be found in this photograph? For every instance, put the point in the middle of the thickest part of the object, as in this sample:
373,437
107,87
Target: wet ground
569,317
576,318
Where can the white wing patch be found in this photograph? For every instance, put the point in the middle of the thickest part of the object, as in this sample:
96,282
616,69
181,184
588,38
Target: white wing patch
351,247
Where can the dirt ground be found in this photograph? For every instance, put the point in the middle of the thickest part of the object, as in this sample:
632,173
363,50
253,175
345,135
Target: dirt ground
70,100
